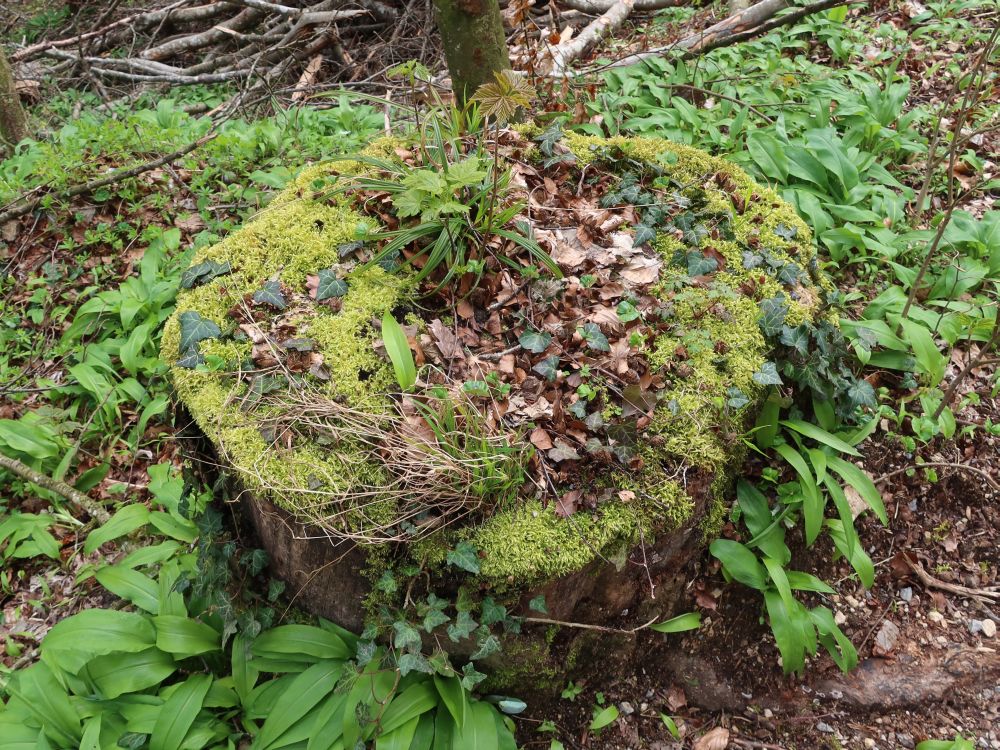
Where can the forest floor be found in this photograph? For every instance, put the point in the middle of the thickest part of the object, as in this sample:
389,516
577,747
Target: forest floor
929,646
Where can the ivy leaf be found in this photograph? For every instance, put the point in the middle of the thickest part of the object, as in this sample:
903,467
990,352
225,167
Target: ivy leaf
387,583
204,272
471,677
595,338
464,556
797,338
737,398
463,627
299,345
190,359
548,368
538,604
195,328
767,375
535,342
699,264
414,663
434,618
346,248
773,311
492,612
790,274
329,285
270,295
547,141
487,647
627,311
406,636
786,232
861,393
643,234
752,260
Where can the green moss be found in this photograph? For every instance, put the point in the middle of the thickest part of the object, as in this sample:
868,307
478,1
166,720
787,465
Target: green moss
714,324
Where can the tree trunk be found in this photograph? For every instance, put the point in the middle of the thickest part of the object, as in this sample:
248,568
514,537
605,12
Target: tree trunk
474,43
13,123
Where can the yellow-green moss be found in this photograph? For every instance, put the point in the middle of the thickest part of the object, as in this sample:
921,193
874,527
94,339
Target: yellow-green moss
715,324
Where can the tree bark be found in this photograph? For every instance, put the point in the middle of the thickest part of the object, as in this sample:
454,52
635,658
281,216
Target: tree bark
13,123
474,43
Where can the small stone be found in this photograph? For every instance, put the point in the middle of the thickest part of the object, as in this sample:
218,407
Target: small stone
906,593
852,601
822,726
975,626
840,618
904,740
627,708
768,713
935,616
989,628
643,706
869,742
887,636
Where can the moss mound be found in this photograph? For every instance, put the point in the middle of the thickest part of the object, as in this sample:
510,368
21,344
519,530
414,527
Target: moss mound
706,355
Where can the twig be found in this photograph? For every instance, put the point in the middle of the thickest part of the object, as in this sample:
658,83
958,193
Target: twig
586,626
71,494
943,464
980,595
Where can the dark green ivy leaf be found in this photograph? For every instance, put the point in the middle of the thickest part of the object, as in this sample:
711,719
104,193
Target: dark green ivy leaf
471,677
548,368
491,612
773,311
699,264
487,647
535,341
785,232
463,627
538,604
643,234
190,359
767,375
595,338
797,338
195,328
414,663
434,618
737,399
270,295
752,260
329,285
406,636
464,556
861,393
204,272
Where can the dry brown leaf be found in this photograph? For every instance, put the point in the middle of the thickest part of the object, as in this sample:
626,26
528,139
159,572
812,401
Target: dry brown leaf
717,739
540,439
566,505
641,270
446,341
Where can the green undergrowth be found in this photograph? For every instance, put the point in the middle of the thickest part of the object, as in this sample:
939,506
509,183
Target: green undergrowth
722,373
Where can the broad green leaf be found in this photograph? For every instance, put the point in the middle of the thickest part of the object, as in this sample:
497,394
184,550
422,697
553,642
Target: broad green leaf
408,705
739,563
74,641
48,703
930,360
91,739
298,641
131,585
687,621
179,713
837,644
480,730
454,697
800,581
819,435
124,521
777,573
444,731
812,502
178,528
769,154
423,737
305,692
787,635
117,674
398,738
861,482
602,718
185,637
398,349
671,726
156,553
329,724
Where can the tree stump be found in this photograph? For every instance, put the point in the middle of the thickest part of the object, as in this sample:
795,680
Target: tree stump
611,389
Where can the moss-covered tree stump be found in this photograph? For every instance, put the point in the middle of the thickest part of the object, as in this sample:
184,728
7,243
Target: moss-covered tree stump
602,406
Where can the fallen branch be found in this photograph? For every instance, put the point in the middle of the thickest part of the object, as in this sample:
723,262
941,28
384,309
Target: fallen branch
62,489
980,595
26,206
586,626
242,20
756,20
567,52
943,464
594,7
